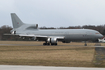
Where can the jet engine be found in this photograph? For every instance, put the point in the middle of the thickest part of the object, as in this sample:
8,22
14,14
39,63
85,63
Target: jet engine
13,32
49,40
52,40
31,26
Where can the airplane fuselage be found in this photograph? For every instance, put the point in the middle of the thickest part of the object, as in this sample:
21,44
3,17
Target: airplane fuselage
51,36
69,34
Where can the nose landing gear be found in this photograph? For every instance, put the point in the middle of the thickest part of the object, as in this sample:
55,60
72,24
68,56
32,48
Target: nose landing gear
85,44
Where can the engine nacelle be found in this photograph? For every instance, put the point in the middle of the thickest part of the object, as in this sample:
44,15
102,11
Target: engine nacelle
31,26
49,40
53,40
13,32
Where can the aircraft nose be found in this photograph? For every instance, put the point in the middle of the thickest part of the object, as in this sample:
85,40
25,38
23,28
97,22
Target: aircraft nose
100,36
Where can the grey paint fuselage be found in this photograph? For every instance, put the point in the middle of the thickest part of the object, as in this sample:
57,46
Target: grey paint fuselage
68,34
52,35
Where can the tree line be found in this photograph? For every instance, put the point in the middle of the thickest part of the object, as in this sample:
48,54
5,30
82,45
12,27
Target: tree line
6,30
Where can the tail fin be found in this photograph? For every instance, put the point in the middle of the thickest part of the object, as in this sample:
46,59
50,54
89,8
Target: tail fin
16,21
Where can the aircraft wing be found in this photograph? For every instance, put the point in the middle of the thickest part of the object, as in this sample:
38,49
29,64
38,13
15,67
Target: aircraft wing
38,37
41,36
10,34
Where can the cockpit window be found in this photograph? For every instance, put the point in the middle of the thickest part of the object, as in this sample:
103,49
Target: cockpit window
97,33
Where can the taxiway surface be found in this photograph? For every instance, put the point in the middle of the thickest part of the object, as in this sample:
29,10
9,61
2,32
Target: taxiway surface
42,45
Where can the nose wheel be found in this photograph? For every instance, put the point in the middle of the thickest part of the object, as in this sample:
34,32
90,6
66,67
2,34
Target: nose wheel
53,43
85,44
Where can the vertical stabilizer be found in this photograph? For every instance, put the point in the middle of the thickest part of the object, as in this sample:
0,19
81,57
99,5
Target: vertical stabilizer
16,21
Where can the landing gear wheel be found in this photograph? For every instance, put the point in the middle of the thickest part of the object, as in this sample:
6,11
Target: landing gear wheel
44,44
48,43
54,44
85,44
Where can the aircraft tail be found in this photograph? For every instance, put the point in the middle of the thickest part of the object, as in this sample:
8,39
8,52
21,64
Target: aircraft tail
16,21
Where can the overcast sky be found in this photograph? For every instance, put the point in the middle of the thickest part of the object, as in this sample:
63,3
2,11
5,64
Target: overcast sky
54,13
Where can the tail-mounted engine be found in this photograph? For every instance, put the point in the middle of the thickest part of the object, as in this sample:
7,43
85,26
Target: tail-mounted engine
31,26
13,32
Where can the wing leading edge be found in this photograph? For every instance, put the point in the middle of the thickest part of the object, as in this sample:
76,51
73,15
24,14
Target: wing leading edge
41,36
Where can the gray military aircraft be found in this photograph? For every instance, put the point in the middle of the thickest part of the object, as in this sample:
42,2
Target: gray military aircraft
52,36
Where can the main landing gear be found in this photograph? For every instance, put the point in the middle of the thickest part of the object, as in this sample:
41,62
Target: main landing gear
50,43
46,43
